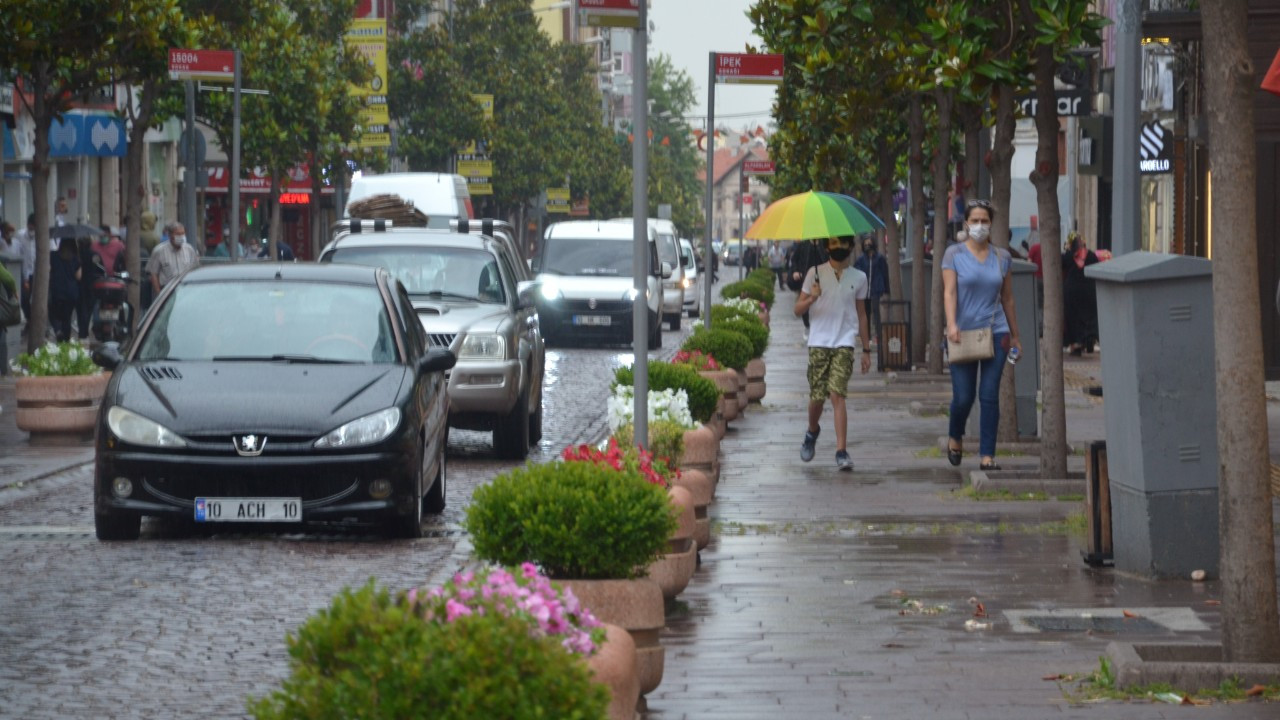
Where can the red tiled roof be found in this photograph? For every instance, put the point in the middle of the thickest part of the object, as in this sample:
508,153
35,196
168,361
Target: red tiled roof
726,159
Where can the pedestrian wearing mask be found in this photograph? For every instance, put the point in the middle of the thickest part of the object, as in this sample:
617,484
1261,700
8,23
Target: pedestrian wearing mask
171,259
876,268
778,264
978,293
835,296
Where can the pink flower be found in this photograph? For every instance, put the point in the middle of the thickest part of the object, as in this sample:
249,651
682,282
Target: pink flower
455,610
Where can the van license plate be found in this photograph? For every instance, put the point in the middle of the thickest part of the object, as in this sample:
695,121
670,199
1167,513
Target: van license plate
592,320
232,509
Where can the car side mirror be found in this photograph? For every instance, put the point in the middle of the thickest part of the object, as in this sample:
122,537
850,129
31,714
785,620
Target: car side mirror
666,270
437,360
107,356
526,293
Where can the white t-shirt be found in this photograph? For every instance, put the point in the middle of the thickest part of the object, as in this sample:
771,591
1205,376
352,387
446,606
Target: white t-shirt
833,317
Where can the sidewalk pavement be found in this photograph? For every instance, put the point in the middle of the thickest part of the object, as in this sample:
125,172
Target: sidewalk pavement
826,594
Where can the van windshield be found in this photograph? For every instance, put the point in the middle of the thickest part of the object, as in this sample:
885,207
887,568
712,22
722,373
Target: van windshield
573,256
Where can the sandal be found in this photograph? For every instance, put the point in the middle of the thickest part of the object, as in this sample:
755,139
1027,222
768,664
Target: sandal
954,454
993,465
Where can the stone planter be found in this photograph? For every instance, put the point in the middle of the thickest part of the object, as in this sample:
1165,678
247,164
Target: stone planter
727,381
703,492
755,380
742,389
637,607
63,405
716,423
674,569
764,316
701,452
614,666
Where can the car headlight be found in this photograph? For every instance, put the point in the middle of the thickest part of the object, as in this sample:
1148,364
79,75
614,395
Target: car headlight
483,345
134,429
550,291
686,283
631,295
367,430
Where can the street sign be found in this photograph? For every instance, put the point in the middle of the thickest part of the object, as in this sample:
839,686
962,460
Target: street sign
749,68
475,168
202,64
610,13
757,167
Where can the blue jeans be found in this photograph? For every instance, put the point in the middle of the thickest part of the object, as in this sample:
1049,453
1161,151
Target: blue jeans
980,378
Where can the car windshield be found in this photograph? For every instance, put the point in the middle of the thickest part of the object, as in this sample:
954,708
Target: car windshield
271,320
667,251
448,273
593,256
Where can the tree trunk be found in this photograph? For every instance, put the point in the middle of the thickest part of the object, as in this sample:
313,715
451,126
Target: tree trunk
274,233
134,190
1250,623
316,210
42,114
888,163
941,184
971,121
1001,169
1053,446
915,163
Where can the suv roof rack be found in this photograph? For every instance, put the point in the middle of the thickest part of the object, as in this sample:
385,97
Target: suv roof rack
357,225
484,226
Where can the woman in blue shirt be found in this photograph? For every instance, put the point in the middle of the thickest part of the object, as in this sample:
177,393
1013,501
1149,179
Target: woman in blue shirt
978,293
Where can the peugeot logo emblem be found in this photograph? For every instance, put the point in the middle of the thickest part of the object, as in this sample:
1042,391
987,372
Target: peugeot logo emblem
249,445
591,304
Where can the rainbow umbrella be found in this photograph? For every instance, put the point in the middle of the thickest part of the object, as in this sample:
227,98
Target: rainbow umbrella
813,215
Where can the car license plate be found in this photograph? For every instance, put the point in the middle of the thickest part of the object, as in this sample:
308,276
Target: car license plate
592,320
109,314
211,509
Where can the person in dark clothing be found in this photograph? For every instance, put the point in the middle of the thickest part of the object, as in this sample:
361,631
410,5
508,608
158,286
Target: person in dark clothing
1079,297
750,258
64,288
876,268
805,254
284,253
90,271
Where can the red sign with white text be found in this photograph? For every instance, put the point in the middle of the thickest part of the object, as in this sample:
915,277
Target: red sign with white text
202,64
757,167
610,13
298,182
759,68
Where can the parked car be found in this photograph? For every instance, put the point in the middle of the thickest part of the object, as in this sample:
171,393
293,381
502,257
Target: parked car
474,297
673,288
441,196
587,287
269,392
692,279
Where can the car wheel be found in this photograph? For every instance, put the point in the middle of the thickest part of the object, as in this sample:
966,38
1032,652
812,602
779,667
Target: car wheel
117,526
674,321
435,501
511,433
410,526
535,424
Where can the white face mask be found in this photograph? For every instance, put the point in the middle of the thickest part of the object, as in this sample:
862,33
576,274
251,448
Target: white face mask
179,240
979,232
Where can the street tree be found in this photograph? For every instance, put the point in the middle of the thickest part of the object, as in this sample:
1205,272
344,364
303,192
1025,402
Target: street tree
1250,621
673,161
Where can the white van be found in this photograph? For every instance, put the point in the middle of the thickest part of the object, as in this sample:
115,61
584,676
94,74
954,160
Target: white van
673,288
587,291
442,197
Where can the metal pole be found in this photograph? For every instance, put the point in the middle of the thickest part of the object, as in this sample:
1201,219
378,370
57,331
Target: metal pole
708,259
189,183
234,183
640,220
1126,225
742,224
1073,174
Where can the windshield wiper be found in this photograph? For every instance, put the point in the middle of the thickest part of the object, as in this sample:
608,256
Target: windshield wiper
440,294
282,358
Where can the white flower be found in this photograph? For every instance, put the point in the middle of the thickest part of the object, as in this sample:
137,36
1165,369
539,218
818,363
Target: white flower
670,405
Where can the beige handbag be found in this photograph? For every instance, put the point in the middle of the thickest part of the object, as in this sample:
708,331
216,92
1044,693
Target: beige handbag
974,345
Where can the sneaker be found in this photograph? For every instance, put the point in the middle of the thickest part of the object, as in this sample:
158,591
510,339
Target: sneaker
810,442
843,461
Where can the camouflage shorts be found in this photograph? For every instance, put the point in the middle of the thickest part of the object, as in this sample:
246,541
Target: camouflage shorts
829,372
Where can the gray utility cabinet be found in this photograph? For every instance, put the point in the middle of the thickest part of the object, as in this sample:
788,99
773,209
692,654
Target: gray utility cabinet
1155,323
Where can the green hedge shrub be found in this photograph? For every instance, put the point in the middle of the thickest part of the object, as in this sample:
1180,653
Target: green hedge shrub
731,349
721,313
752,328
749,289
703,393
370,656
764,276
666,444
572,519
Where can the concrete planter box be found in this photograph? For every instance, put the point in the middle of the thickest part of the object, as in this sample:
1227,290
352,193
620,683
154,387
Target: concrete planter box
1021,482
63,405
727,381
742,389
1188,667
701,452
755,380
703,491
614,666
637,607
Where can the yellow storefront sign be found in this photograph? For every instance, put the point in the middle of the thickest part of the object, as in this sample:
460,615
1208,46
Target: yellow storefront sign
557,200
369,38
475,168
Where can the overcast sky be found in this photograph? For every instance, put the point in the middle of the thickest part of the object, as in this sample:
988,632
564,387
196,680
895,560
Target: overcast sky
687,30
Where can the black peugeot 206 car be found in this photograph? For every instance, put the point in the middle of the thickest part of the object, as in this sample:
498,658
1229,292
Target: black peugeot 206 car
280,393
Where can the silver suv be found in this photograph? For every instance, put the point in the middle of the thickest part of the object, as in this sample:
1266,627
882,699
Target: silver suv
471,295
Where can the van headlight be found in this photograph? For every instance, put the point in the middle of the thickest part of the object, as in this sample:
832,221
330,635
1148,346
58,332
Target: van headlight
686,283
367,430
631,294
550,291
134,429
489,346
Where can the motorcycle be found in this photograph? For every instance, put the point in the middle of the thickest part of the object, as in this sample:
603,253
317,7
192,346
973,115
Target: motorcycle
114,314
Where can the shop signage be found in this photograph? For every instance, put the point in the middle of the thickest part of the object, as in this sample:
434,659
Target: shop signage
1071,103
558,200
610,13
1155,149
757,167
